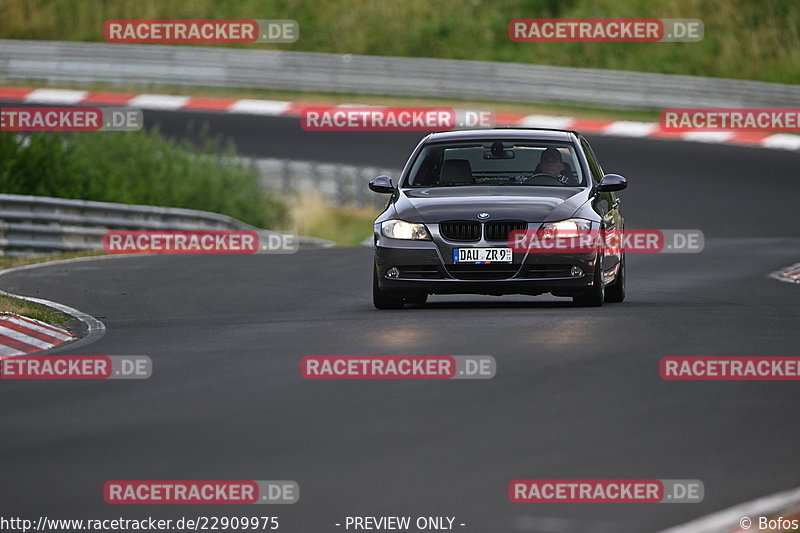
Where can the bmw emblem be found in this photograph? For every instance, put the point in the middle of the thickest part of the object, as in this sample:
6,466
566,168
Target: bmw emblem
483,216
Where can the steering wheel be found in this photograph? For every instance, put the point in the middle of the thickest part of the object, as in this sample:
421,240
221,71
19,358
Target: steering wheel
548,176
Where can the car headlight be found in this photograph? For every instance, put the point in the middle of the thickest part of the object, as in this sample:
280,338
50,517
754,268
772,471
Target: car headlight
565,228
400,229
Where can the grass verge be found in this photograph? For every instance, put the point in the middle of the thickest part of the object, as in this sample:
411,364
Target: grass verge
9,304
743,39
346,226
11,262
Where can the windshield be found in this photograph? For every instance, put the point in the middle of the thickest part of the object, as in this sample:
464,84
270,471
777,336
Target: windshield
496,163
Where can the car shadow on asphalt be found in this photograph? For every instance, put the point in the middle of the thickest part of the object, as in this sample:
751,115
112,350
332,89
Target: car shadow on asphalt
500,304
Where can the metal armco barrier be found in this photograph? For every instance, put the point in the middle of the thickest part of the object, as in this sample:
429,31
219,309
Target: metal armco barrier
31,225
152,65
338,184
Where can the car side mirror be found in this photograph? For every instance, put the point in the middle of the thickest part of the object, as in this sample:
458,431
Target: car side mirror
611,183
381,184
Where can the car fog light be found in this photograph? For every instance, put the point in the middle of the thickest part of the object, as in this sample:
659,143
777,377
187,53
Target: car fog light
393,272
576,272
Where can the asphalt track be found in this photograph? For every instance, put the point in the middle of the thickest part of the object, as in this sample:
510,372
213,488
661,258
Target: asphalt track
577,393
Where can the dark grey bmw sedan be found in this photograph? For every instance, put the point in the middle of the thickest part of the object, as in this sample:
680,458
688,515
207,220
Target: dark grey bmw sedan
446,228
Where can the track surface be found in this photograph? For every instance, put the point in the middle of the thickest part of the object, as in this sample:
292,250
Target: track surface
577,394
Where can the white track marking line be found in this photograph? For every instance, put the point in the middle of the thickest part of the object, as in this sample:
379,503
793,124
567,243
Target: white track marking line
727,521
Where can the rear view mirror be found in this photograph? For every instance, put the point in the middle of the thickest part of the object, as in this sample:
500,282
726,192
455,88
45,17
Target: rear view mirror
611,183
382,184
497,151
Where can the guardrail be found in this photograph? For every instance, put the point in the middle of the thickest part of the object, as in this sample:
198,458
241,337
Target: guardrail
32,225
152,65
337,184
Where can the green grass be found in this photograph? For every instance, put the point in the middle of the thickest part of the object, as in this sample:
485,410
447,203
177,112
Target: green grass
9,304
346,226
743,38
141,167
11,262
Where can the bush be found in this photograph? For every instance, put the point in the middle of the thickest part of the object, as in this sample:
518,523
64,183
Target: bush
141,167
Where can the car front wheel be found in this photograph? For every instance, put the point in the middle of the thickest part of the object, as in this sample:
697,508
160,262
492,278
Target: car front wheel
615,292
595,296
382,300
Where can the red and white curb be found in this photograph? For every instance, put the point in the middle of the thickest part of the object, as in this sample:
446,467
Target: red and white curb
165,102
9,323
21,335
789,274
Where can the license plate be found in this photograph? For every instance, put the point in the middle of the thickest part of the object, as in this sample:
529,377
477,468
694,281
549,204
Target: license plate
481,255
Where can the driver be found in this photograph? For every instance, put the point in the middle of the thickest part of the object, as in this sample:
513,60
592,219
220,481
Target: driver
552,163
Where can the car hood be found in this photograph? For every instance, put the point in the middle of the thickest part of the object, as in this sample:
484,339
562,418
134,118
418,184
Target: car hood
529,203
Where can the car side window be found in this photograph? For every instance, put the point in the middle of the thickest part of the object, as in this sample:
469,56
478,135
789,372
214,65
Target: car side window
594,166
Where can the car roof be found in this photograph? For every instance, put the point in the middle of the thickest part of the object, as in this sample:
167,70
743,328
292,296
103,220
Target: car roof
528,134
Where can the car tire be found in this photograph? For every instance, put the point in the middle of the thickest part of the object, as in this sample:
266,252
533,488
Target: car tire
615,292
382,300
595,296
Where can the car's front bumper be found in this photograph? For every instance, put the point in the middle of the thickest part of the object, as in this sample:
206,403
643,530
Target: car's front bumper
423,269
